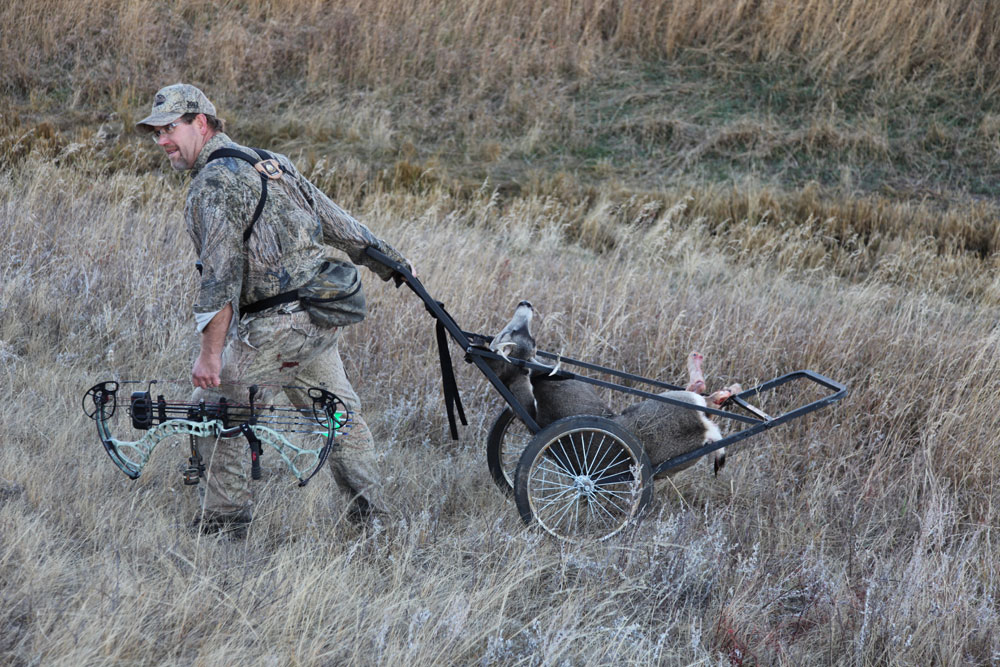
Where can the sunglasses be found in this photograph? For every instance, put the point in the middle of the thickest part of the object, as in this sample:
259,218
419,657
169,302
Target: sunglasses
166,129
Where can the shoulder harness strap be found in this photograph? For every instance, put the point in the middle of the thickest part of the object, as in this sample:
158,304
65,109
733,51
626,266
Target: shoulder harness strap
266,166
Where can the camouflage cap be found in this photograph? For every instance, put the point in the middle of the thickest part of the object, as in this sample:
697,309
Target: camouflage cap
174,101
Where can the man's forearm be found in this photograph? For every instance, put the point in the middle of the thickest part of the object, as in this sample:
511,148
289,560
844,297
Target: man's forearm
213,337
208,366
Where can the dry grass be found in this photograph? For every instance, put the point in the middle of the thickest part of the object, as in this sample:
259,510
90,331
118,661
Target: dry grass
651,176
859,535
483,44
897,96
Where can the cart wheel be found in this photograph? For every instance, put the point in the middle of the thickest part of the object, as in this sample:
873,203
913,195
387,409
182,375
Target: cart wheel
583,477
507,439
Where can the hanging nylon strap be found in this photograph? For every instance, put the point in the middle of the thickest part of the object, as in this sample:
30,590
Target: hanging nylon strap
452,401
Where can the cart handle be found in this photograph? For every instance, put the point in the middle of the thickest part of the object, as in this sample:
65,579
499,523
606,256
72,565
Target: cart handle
445,322
436,308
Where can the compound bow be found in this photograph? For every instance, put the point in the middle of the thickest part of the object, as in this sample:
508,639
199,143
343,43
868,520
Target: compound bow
326,417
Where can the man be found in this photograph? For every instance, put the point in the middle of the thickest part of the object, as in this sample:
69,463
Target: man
280,344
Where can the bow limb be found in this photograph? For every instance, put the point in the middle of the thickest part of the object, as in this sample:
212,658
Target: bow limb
293,455
337,418
131,456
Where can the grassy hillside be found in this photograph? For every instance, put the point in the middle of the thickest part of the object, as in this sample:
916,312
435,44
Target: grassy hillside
808,184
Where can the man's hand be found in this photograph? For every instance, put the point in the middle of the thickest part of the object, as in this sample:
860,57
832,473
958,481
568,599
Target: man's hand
399,278
207,370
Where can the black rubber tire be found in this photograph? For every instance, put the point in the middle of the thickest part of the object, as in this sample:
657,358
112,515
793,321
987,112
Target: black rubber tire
584,463
508,437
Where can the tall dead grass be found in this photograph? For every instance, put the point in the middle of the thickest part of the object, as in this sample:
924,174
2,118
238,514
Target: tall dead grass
861,534
483,45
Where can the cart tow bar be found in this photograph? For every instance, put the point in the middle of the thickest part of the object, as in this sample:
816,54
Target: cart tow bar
452,400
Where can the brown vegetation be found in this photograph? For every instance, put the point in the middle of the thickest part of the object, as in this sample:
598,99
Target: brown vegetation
805,184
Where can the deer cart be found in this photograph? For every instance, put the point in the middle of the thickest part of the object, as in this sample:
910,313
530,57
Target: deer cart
585,476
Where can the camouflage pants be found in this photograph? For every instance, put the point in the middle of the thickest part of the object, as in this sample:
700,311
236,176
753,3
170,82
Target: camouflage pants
284,349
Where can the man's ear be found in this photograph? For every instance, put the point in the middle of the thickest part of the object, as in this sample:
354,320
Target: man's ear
201,124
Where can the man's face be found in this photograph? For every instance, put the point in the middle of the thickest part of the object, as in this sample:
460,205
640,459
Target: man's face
181,141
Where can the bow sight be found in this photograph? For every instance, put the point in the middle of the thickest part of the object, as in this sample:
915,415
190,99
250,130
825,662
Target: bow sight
320,423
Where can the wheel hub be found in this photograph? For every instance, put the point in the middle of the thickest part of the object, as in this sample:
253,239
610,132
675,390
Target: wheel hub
584,486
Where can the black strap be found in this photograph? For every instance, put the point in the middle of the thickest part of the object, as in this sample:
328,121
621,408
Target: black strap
257,306
452,400
240,155
284,297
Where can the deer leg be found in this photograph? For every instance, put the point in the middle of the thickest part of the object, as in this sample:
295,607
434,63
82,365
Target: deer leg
719,397
696,379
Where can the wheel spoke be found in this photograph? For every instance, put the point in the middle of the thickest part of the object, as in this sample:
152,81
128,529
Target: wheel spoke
620,459
561,514
554,512
606,500
609,494
581,465
551,475
551,490
604,516
555,493
507,440
553,467
547,480
514,443
598,452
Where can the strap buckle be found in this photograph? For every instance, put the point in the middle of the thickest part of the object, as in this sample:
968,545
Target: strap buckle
269,168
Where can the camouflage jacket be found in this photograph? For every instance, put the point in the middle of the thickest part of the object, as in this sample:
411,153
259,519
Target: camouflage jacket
289,240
